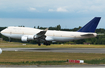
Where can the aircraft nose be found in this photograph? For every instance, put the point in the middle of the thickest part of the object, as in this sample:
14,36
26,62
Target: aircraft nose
2,32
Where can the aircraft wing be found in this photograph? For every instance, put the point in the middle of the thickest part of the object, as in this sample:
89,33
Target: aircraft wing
41,34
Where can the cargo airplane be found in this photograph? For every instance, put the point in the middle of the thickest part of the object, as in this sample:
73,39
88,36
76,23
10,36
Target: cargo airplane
27,34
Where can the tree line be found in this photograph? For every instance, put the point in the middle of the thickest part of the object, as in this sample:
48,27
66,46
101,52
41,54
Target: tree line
100,39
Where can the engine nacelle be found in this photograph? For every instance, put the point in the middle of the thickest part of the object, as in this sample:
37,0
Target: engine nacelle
30,37
0,50
27,38
49,38
24,39
37,36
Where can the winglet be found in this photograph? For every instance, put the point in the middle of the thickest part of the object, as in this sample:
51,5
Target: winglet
91,26
46,29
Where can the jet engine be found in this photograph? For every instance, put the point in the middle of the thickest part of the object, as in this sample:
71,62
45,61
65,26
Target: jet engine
0,50
26,38
49,38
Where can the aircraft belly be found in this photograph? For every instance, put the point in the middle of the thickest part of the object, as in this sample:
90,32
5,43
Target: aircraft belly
6,34
17,36
66,38
63,38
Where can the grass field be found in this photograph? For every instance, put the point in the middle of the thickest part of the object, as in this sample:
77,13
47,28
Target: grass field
16,57
4,44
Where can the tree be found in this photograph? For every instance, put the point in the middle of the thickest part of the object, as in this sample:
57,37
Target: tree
34,26
58,27
38,27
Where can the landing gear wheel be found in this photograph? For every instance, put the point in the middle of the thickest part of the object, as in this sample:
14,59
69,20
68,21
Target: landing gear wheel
39,44
46,43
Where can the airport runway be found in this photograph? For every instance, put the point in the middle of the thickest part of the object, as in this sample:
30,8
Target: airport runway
64,50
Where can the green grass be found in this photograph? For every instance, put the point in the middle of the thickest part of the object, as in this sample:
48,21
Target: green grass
35,63
47,58
96,61
4,44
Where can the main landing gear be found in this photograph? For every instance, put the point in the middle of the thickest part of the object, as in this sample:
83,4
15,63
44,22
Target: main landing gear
46,43
39,44
9,39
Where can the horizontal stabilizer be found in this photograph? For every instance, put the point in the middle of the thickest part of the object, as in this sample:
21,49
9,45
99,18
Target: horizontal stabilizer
100,34
88,35
91,26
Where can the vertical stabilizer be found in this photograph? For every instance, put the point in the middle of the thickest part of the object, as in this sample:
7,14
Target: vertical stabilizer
90,26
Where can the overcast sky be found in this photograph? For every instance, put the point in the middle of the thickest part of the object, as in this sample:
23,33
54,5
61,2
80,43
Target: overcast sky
46,13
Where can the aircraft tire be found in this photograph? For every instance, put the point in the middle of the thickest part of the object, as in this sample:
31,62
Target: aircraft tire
39,44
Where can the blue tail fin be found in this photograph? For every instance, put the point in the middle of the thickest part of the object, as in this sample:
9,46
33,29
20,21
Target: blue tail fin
91,26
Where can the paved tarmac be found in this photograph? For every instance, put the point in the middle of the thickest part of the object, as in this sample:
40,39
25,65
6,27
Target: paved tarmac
64,50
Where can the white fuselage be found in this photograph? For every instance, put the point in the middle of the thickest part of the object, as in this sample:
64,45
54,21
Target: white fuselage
51,35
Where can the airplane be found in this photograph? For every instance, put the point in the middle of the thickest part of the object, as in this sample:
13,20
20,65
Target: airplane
27,34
